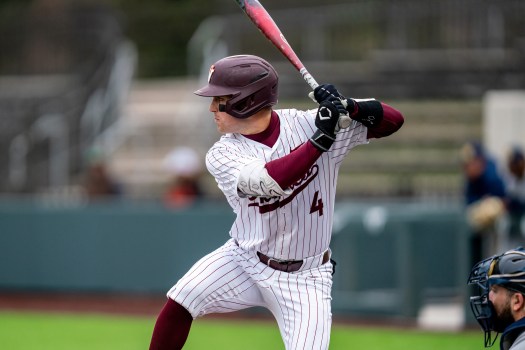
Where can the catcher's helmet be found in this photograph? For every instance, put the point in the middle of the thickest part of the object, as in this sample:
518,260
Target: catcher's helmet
249,80
506,270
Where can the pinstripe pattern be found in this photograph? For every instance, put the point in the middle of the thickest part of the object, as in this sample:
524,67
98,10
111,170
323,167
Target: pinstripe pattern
292,227
231,279
295,227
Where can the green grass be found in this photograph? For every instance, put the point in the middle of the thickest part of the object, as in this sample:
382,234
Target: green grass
43,331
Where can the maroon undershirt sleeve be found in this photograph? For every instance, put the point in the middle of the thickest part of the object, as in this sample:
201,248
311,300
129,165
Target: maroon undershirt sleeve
392,121
292,167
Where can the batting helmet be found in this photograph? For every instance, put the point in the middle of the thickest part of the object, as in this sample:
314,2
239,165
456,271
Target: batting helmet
506,270
249,80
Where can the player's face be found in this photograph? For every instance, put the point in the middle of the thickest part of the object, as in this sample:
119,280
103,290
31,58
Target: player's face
225,122
517,168
501,300
474,168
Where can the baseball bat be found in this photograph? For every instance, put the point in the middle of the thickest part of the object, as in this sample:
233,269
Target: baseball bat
264,22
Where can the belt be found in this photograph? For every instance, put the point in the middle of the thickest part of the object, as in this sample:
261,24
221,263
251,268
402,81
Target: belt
287,265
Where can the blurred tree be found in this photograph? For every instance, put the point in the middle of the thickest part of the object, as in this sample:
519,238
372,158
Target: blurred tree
161,30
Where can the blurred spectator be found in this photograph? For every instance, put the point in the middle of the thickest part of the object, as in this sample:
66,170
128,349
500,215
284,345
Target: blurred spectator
484,194
515,202
98,182
185,167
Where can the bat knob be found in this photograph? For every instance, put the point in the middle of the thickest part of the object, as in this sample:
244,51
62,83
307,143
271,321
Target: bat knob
344,121
311,95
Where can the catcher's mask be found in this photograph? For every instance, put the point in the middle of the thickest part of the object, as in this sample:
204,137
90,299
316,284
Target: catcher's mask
249,80
506,270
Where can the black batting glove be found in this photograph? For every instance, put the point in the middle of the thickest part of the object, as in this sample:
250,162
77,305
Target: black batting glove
326,121
327,115
368,112
325,91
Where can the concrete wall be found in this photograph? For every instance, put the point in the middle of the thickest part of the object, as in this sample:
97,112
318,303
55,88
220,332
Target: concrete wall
139,248
390,258
504,122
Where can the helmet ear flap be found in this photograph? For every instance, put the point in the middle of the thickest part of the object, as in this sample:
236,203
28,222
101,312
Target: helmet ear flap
252,101
239,108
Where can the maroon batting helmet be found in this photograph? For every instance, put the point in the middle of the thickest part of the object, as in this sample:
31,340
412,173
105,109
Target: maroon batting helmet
249,80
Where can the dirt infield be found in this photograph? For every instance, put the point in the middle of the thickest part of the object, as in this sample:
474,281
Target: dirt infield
137,305
102,303
145,306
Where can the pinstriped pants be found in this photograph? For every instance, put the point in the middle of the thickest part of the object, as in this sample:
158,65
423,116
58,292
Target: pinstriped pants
231,278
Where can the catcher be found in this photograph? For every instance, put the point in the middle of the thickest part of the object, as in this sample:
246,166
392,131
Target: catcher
500,304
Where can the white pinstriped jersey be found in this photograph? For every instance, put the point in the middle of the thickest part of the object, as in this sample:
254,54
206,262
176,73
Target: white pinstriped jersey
295,226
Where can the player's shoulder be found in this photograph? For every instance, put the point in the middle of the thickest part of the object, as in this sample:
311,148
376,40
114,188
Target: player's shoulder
290,113
295,117
227,142
227,138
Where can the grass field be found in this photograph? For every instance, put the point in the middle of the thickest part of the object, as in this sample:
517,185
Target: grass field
46,331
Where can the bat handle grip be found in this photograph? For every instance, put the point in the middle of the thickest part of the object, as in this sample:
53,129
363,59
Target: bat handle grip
344,119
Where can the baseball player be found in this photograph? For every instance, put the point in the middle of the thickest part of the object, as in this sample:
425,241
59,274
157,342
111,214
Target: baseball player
278,170
500,304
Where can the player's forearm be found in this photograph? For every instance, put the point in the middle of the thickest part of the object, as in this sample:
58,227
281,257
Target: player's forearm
391,122
292,167
380,119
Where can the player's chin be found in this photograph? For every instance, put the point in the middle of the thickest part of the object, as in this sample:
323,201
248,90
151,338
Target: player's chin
221,129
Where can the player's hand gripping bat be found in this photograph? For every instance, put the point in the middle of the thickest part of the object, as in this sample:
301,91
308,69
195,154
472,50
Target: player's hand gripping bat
260,17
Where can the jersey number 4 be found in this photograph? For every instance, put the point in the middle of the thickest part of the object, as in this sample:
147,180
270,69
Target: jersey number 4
317,204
